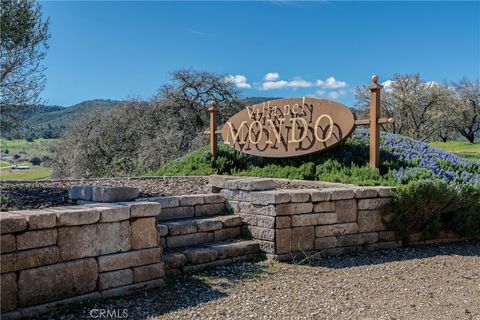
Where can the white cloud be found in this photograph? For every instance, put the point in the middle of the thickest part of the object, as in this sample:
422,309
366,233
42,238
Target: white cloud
432,84
331,83
336,94
269,85
271,76
320,93
281,84
387,85
239,80
299,83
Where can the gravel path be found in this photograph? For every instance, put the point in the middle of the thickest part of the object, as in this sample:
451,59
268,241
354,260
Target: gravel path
436,282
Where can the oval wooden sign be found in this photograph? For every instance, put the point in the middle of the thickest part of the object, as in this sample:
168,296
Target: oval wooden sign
288,127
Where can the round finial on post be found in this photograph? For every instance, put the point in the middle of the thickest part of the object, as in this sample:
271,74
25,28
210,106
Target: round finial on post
375,78
213,105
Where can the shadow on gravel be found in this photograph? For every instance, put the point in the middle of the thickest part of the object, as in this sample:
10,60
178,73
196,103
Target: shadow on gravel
182,292
466,248
24,198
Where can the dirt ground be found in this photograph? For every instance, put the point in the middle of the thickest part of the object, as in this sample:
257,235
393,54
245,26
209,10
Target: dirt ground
434,282
43,194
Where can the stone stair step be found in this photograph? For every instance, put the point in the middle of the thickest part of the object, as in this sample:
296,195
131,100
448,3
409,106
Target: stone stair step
197,225
193,258
189,206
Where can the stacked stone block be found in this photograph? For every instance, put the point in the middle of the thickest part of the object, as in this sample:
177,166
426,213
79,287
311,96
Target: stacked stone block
67,254
198,231
189,206
299,222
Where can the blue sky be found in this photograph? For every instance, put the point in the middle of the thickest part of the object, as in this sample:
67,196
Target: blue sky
119,50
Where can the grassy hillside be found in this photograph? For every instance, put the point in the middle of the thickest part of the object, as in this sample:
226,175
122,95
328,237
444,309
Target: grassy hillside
463,149
52,121
24,148
34,173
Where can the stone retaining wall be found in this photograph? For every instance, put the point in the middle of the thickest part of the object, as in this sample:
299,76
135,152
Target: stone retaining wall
53,257
60,255
331,219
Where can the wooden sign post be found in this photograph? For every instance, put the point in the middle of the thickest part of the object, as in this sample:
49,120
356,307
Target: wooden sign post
295,127
374,125
213,128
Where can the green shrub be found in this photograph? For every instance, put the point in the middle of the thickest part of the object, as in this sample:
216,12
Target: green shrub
332,170
305,172
431,206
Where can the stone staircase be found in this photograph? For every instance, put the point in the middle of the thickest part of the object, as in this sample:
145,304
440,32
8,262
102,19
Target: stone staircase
198,231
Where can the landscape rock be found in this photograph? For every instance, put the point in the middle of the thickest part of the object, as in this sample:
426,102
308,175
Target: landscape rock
80,193
112,212
174,260
114,279
143,208
303,238
37,238
283,240
325,206
204,225
93,240
258,233
346,210
209,209
269,197
283,222
38,219
191,200
10,223
8,243
113,193
189,239
373,204
226,233
149,272
357,239
27,259
293,208
57,281
8,291
144,233
370,220
325,243
75,215
176,213
200,255
335,229
129,259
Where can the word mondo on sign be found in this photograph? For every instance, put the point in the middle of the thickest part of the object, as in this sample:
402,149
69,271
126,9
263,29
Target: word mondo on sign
288,127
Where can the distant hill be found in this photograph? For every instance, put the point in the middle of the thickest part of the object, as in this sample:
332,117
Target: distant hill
51,121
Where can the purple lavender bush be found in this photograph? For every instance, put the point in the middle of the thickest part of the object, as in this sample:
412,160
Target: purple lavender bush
436,191
417,157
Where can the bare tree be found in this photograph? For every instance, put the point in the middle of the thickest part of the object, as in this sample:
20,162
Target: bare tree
140,136
466,115
412,102
24,37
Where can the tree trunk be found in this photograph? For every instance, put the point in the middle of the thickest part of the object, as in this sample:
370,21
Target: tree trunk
470,137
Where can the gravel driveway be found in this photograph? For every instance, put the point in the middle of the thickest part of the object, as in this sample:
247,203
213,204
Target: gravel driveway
436,282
